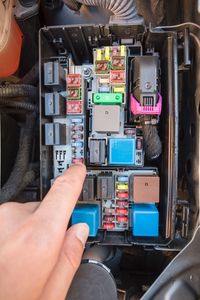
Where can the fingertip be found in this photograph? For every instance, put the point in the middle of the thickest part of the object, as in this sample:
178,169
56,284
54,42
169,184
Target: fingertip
80,231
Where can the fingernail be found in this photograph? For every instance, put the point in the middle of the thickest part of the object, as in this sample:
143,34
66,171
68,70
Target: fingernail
82,233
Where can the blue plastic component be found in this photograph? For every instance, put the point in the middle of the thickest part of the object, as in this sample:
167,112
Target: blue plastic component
87,213
122,178
145,218
122,151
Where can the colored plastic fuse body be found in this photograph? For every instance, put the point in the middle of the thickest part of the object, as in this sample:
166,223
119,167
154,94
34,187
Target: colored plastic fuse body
108,226
145,219
73,93
118,63
137,109
88,214
117,76
102,66
74,107
73,80
107,98
122,187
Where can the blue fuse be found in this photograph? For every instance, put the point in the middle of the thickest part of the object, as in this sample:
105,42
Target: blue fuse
122,178
89,214
145,218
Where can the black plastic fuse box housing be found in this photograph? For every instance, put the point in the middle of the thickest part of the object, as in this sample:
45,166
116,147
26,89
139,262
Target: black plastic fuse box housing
79,42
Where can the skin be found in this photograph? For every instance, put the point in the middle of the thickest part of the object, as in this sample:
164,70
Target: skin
38,257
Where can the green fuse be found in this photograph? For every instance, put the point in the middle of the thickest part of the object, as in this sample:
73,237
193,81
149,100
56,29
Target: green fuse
107,98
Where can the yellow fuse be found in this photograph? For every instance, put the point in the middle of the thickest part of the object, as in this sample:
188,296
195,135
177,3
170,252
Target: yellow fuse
119,89
98,54
122,50
107,53
122,186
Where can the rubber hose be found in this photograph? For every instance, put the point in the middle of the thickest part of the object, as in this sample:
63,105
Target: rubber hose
18,90
18,104
123,10
152,143
22,161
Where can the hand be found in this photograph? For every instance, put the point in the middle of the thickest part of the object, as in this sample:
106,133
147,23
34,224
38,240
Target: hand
38,257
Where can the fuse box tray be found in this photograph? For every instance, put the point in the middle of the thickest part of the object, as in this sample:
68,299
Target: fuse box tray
105,100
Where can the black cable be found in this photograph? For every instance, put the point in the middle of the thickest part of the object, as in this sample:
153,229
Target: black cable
18,104
152,143
18,90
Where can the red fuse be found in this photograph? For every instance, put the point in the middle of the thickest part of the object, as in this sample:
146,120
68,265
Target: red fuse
117,76
108,226
122,219
77,128
122,195
122,211
122,202
74,107
77,160
74,80
109,218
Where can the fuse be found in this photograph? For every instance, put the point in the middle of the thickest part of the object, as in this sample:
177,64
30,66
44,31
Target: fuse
77,128
119,89
118,63
77,160
122,178
77,136
109,218
122,211
122,187
139,144
130,131
104,89
122,219
77,144
73,80
117,76
122,203
122,50
104,79
73,93
78,120
99,56
102,66
108,210
74,107
107,53
122,194
108,226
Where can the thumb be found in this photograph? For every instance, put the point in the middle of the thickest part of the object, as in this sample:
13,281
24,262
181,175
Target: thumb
69,260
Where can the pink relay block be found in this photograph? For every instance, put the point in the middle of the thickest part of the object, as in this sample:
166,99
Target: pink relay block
137,109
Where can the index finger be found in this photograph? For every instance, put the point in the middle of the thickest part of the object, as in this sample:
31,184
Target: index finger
57,206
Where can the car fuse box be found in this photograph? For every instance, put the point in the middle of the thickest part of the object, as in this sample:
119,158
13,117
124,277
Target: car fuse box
105,103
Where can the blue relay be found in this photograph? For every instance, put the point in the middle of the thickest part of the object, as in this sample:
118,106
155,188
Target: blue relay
145,220
122,151
88,214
